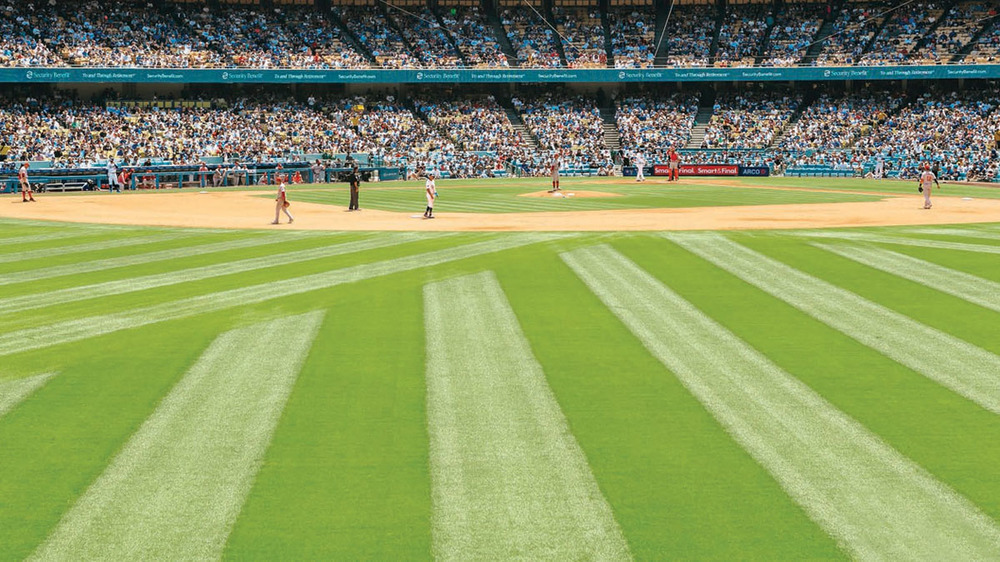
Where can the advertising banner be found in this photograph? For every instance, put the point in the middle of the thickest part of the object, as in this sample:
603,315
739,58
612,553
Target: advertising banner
499,75
759,171
709,169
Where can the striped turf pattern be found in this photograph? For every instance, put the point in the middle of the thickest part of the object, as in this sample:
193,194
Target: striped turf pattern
184,394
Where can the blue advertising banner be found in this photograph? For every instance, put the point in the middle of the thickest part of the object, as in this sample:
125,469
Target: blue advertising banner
414,76
759,171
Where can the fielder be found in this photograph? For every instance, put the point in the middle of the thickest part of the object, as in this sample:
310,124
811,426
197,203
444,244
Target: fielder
640,162
430,191
282,205
27,196
113,176
927,181
674,160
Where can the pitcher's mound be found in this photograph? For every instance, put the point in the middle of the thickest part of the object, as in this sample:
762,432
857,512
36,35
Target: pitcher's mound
575,193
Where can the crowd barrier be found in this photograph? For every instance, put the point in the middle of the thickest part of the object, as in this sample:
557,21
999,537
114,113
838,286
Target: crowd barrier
700,170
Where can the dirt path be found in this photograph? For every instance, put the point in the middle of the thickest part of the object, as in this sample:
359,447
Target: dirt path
248,210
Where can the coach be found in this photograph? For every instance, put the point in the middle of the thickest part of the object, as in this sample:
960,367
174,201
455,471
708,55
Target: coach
355,180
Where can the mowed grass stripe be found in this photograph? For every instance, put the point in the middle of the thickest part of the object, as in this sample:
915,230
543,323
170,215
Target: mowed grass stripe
960,232
976,290
176,488
508,478
877,503
347,475
956,364
13,392
16,240
89,247
146,258
79,329
121,286
902,241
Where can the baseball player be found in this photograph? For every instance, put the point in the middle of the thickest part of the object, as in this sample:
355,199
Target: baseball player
430,191
879,167
282,204
113,176
554,171
640,162
927,181
674,160
22,177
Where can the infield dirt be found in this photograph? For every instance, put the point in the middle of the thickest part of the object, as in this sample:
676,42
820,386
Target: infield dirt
247,210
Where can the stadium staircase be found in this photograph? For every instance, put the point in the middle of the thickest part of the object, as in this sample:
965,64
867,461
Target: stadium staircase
448,34
720,20
390,18
819,40
359,47
606,26
765,39
518,124
660,57
701,120
987,26
612,140
551,20
932,29
807,100
878,31
500,32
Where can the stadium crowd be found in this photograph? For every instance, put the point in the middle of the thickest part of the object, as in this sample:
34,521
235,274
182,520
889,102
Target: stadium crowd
741,35
472,135
632,37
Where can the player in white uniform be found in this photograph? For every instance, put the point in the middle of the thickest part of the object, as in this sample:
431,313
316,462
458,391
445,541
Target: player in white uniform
113,176
927,181
282,204
27,196
879,168
640,162
430,191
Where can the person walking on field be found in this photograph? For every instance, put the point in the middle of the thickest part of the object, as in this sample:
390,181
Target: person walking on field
430,191
927,181
27,196
554,170
282,205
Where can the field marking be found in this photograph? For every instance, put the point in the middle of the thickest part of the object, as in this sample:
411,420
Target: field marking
956,364
965,286
83,328
174,490
509,480
89,247
15,391
963,232
900,241
122,286
14,240
874,501
141,259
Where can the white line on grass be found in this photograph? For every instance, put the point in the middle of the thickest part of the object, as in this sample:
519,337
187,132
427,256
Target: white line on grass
14,391
174,490
901,241
956,364
90,247
962,232
976,290
141,259
83,328
509,479
122,286
877,503
12,241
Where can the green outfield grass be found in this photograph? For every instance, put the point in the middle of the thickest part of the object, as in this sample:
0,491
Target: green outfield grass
183,393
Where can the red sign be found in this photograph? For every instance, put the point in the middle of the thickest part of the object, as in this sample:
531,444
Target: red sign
709,169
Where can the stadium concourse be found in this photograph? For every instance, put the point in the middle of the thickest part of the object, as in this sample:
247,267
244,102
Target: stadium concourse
469,134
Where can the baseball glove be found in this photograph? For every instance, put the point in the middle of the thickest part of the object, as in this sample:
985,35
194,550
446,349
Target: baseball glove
920,189
286,204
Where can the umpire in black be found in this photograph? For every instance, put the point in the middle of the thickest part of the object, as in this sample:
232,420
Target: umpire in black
354,178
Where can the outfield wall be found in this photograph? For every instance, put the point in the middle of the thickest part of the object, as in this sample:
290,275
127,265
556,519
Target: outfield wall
451,76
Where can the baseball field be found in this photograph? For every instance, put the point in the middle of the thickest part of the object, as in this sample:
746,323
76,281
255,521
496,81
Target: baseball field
193,383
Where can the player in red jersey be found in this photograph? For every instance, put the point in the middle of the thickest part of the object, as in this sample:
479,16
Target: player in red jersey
674,160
